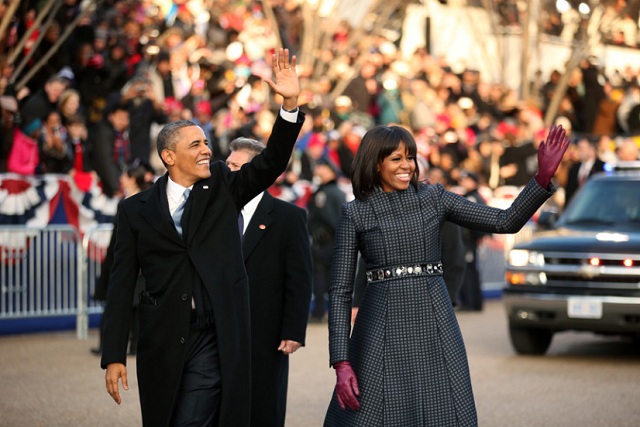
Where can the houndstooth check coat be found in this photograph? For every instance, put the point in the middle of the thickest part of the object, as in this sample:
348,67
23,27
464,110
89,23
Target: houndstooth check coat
406,348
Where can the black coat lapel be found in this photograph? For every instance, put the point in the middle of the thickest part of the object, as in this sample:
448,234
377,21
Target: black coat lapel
259,224
200,194
155,209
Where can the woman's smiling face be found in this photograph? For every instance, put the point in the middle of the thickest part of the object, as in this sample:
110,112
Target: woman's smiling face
397,169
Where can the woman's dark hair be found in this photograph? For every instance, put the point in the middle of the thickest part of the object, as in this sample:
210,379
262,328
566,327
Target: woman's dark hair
141,174
378,143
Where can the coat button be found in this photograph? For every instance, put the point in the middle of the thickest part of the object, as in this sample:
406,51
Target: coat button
184,297
181,340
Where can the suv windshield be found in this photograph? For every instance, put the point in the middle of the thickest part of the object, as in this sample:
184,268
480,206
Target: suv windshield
605,204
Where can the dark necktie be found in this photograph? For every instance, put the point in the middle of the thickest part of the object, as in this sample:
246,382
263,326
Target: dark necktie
583,175
241,225
177,215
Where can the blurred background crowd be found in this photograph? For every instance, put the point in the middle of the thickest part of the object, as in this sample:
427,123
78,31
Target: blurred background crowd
86,85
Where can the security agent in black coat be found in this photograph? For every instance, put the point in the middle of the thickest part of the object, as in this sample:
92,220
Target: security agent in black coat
471,298
277,256
324,209
581,171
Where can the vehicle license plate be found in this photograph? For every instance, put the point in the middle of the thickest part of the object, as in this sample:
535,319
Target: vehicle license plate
584,308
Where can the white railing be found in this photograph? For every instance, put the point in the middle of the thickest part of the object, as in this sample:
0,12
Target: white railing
51,271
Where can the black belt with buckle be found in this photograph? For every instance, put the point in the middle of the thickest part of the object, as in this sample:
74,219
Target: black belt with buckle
427,269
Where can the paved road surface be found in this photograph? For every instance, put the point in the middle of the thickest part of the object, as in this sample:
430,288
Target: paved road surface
52,380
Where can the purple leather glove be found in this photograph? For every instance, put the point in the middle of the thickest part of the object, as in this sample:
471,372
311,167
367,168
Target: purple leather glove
346,386
550,153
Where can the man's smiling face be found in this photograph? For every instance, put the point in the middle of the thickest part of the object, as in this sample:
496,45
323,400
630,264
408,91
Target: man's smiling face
189,160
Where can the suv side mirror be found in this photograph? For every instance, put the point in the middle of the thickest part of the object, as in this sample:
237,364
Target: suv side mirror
547,219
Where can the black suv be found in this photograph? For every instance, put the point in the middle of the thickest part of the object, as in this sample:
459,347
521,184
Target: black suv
583,272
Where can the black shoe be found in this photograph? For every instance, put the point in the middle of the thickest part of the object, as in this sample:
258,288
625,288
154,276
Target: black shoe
97,351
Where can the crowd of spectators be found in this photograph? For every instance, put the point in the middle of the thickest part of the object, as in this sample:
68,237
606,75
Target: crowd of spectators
130,66
563,18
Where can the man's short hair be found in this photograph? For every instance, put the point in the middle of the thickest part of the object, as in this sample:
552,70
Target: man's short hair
253,146
168,136
56,78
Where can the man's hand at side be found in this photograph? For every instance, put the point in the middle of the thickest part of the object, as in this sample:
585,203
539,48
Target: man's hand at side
287,346
115,372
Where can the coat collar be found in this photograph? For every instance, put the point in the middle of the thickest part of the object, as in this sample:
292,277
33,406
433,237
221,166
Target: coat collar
260,222
199,199
155,201
155,209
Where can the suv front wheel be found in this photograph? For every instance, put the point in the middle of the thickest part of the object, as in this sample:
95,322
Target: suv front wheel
530,341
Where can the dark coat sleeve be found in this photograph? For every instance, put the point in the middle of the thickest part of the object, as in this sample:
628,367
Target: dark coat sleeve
453,263
268,165
102,285
298,281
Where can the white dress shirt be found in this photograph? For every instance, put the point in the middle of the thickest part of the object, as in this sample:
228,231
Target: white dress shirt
175,193
249,209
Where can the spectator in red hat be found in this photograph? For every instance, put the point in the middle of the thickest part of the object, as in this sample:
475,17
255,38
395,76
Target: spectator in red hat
304,161
311,156
202,115
202,112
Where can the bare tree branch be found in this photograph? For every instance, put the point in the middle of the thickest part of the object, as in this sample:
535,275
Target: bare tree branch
43,31
7,18
90,9
32,28
582,48
271,17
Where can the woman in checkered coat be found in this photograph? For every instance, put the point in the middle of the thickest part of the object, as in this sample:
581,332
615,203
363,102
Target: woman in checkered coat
404,364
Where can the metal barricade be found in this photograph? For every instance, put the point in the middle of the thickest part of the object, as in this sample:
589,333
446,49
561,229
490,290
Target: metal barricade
94,244
51,271
40,270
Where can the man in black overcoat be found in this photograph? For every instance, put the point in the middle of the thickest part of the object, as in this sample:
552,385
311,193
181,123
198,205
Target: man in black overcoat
193,359
277,256
588,164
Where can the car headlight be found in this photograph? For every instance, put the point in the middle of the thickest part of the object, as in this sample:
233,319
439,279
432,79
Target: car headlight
523,258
